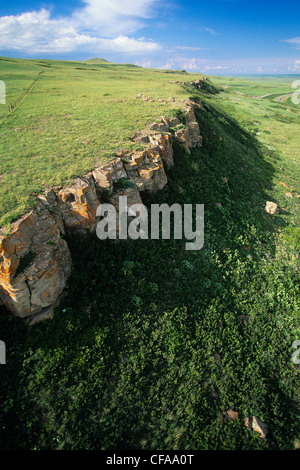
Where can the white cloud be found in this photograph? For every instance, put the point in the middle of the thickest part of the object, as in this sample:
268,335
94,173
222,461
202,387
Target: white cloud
296,67
215,67
294,41
190,64
211,31
114,16
122,44
190,48
100,26
227,66
193,65
144,63
170,64
185,63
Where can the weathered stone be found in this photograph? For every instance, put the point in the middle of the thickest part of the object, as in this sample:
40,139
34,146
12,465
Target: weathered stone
79,204
154,126
133,197
165,147
47,313
199,83
173,122
105,175
161,126
182,136
231,415
257,425
271,207
34,238
153,173
146,169
102,179
142,138
132,194
189,136
50,200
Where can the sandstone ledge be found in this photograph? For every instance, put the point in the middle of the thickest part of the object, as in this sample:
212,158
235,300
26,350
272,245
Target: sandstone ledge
35,260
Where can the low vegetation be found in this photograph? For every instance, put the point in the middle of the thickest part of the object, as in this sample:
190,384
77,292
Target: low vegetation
153,344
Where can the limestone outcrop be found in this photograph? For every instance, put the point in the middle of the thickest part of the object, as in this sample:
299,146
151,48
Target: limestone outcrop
35,263
200,83
78,205
257,425
35,260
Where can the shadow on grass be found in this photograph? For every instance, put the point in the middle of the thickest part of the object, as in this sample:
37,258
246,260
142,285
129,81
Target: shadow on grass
118,289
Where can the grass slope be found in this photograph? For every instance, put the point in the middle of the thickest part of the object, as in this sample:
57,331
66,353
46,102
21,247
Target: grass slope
153,344
97,60
76,116
277,127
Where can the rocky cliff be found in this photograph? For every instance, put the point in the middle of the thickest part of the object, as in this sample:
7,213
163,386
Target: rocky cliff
35,260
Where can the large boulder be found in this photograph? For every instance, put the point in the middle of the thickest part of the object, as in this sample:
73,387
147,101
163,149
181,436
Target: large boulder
35,263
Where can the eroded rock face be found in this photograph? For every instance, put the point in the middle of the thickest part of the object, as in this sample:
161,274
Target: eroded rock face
258,426
165,147
132,194
79,204
105,175
35,261
189,136
51,202
200,83
146,170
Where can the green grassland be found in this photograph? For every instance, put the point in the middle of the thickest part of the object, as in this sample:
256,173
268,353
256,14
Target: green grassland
277,127
153,344
75,117
260,85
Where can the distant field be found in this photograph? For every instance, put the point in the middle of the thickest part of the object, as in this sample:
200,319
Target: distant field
252,85
76,116
277,127
79,113
276,124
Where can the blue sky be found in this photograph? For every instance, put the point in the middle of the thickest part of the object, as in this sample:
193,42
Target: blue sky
212,37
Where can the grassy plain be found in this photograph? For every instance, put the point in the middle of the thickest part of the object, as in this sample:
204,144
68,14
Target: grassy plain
277,127
259,85
76,116
154,344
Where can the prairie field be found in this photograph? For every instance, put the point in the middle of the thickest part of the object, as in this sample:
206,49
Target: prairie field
74,118
155,347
